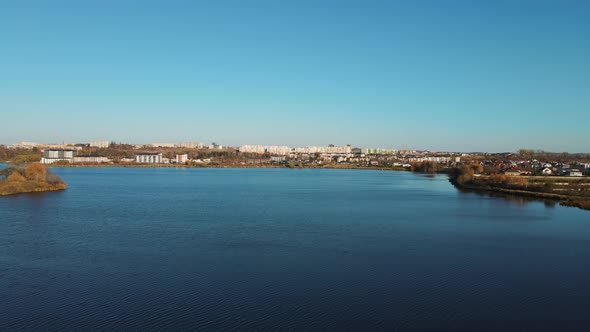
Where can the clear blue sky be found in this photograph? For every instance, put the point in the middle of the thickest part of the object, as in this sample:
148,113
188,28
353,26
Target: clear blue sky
442,75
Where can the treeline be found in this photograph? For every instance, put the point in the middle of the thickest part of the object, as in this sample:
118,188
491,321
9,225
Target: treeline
430,167
19,156
424,167
115,152
562,157
470,175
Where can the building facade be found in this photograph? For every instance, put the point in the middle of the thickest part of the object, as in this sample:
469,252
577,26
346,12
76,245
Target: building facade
100,144
91,159
149,158
51,156
273,149
181,158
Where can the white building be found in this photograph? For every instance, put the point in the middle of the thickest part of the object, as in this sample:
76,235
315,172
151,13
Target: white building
190,145
23,145
149,158
91,160
51,156
574,172
435,159
181,158
325,149
100,144
163,145
377,151
186,145
273,149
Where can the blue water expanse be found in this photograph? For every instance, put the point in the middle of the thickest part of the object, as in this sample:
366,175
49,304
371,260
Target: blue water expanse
287,249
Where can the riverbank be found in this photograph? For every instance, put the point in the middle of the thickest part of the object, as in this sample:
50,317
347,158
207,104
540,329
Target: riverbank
573,196
335,166
13,188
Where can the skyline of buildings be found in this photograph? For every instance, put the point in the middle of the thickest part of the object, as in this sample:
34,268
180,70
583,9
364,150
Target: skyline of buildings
252,148
272,149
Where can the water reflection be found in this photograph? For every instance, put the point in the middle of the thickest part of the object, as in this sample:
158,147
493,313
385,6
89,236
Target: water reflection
519,200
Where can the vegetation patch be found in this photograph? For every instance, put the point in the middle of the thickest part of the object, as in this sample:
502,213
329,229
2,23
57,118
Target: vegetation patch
568,191
34,178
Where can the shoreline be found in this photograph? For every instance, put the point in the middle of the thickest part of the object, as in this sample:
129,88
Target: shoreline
34,191
35,178
29,187
396,169
563,200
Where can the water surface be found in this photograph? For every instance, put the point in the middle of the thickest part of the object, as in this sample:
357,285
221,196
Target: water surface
186,249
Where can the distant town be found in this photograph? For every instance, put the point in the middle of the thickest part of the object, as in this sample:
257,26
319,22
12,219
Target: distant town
520,163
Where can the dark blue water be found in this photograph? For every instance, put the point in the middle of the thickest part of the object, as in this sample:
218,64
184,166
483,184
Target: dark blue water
252,249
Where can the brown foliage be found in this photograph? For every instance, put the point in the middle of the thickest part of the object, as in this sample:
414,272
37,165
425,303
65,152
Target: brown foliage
424,167
477,168
498,179
518,181
36,172
52,178
464,174
16,177
11,188
506,180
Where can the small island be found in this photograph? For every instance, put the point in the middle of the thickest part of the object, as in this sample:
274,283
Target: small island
33,178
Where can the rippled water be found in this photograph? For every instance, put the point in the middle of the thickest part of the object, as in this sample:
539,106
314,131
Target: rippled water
186,249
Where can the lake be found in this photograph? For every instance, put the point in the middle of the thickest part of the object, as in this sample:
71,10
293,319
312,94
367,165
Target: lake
287,249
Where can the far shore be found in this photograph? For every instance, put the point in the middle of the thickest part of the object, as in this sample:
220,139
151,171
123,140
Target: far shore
563,199
133,165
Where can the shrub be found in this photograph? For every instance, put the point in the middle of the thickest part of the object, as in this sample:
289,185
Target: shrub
16,177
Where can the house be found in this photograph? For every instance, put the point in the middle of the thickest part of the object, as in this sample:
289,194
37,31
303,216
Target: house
574,172
149,158
181,158
51,156
278,159
547,171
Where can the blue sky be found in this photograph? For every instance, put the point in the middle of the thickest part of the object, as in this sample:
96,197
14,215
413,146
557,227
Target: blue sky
442,75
